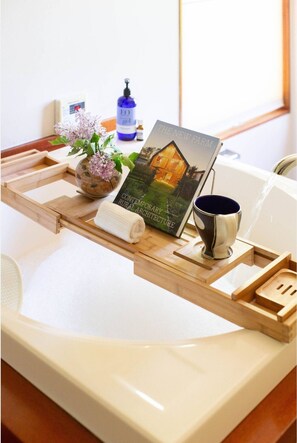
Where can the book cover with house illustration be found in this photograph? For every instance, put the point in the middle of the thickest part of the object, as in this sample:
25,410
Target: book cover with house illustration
169,173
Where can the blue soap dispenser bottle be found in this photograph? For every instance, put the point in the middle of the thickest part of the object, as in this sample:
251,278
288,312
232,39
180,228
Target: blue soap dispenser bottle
126,118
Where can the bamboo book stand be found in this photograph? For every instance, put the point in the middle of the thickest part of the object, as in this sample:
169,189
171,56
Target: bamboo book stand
266,302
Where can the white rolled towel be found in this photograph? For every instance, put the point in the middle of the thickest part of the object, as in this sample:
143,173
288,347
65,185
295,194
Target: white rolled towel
120,222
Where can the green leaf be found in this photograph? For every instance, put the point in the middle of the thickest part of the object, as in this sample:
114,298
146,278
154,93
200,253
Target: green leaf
127,162
118,164
74,150
95,138
108,140
89,150
133,156
80,144
60,140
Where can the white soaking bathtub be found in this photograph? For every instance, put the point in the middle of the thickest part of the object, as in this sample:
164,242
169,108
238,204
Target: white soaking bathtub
129,360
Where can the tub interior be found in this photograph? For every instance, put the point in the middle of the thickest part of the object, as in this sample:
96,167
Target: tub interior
268,202
73,284
76,285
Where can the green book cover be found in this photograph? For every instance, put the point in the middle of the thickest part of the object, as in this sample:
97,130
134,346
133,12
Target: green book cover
169,173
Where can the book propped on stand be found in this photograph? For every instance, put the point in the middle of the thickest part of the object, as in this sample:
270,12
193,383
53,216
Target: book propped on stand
169,173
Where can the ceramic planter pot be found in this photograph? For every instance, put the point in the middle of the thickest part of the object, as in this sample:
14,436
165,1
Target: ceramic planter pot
94,185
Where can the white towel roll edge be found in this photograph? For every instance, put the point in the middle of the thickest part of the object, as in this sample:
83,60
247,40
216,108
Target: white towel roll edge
120,222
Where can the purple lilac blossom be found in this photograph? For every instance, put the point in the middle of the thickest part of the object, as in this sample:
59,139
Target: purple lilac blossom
84,127
101,165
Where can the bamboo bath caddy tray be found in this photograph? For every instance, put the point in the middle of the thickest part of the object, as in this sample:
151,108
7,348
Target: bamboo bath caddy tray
265,302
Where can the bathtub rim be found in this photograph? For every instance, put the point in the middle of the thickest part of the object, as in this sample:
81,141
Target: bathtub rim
34,343
283,178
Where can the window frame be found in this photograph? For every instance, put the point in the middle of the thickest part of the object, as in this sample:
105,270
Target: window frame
264,118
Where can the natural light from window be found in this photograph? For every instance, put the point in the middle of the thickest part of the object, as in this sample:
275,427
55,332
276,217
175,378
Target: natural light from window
231,62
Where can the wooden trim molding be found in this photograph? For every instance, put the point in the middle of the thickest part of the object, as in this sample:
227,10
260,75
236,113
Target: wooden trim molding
109,124
42,144
253,123
286,54
27,414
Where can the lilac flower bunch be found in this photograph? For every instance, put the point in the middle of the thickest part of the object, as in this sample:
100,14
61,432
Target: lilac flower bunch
87,136
102,165
83,129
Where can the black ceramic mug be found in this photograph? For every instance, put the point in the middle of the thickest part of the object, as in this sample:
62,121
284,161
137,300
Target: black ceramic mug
217,219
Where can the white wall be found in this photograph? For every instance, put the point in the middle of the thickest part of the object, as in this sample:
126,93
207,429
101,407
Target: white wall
264,145
57,48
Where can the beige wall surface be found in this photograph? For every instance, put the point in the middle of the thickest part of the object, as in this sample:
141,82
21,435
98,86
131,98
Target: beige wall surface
59,49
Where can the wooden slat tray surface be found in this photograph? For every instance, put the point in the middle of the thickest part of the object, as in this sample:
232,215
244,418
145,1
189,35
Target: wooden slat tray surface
172,263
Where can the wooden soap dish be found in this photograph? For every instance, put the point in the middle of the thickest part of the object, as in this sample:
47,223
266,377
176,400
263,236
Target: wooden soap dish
279,293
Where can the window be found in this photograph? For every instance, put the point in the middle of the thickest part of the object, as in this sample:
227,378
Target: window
234,63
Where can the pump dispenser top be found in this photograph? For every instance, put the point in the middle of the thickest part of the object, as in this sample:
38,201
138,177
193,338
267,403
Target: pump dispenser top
126,119
127,91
